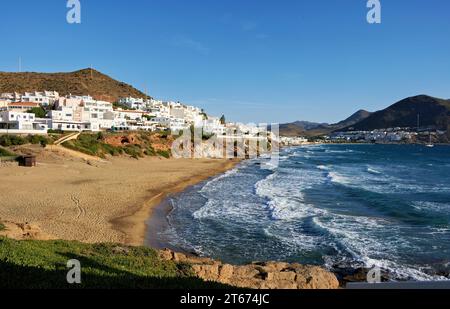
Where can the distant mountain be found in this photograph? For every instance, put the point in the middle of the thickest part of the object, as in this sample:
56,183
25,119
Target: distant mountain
299,127
312,129
355,118
82,82
433,112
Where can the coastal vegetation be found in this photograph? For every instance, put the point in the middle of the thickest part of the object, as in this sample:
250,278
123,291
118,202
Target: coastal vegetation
43,264
6,153
17,140
135,145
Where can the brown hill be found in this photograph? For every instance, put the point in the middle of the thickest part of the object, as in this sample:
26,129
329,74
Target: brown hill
82,82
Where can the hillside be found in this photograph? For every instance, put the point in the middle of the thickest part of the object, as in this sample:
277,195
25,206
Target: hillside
434,112
82,82
355,118
313,129
299,127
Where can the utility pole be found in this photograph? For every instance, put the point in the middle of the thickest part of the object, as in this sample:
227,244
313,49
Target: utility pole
20,64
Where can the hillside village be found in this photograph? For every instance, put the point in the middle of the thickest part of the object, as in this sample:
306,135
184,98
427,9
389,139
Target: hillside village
41,112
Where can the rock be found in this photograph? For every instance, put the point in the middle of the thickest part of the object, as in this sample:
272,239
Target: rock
166,255
246,271
288,275
207,272
120,250
258,275
23,231
226,272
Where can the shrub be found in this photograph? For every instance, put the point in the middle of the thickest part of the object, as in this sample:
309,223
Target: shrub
12,140
133,151
39,112
150,151
2,227
6,153
114,151
38,139
164,153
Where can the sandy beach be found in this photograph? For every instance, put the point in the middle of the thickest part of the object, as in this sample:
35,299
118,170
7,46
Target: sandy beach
69,198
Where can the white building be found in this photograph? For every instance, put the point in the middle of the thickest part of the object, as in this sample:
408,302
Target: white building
20,123
293,141
43,98
10,97
136,103
212,125
81,113
173,124
20,106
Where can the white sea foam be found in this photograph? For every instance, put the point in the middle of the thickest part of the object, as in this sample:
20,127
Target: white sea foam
285,196
337,178
293,240
323,167
433,206
371,170
361,238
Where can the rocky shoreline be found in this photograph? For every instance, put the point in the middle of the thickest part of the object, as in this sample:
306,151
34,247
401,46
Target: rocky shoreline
257,275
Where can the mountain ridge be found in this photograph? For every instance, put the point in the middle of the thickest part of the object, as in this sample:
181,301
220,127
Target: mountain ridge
298,128
431,111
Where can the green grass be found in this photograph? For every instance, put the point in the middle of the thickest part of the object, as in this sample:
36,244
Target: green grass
42,264
6,153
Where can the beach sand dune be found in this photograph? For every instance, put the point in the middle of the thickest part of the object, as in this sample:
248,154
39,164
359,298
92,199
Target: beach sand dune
72,199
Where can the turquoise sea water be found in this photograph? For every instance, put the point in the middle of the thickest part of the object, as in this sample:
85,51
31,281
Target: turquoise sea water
334,205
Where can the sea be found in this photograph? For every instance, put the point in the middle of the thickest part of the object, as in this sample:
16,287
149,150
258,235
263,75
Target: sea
338,206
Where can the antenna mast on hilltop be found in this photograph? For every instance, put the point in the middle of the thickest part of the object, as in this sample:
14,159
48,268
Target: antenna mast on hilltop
20,64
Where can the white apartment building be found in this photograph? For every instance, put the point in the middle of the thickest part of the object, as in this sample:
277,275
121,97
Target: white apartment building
81,113
121,114
71,119
20,123
43,98
21,107
136,103
10,97
212,125
174,124
159,109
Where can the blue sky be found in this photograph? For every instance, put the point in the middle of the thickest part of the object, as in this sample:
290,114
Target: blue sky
254,60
